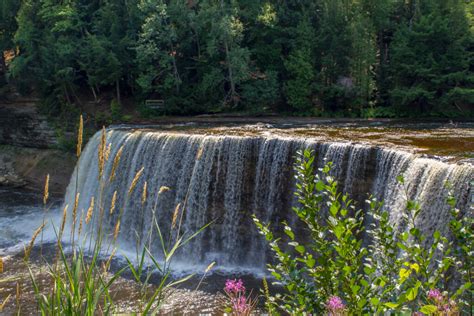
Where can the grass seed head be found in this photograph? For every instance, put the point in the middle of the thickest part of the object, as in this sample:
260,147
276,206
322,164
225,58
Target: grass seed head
32,241
117,230
144,193
74,210
112,204
63,222
175,215
90,210
115,164
209,267
101,152
107,151
135,180
79,137
46,190
80,223
163,189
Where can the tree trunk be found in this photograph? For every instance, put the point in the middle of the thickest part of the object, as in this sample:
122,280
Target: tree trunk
3,65
229,68
117,86
94,93
177,79
231,76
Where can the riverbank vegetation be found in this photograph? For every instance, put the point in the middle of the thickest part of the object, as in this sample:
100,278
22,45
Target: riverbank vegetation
356,263
384,58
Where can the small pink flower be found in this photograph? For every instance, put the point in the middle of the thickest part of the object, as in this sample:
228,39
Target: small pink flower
435,295
234,286
240,304
335,304
418,314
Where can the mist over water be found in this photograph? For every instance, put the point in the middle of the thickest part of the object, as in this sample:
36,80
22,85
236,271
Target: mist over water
229,178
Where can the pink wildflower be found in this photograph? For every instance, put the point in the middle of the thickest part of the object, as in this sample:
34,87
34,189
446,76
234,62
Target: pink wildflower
234,286
240,304
435,295
335,304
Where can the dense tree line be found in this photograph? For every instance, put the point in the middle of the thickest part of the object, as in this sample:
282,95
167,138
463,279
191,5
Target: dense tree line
309,57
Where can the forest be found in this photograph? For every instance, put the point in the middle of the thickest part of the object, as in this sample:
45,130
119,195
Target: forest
349,58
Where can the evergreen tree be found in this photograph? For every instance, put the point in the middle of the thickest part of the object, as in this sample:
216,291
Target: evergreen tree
430,59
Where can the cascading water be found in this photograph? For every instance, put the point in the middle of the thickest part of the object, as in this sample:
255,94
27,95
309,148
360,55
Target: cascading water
229,178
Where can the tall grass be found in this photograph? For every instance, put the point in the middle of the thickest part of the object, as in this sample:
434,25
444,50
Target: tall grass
81,281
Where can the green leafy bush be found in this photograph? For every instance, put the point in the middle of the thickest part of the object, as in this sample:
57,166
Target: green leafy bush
116,110
334,272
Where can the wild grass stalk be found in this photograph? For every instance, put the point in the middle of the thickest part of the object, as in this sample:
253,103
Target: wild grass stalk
81,282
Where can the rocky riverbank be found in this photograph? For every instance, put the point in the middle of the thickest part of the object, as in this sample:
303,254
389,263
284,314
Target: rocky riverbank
28,167
28,149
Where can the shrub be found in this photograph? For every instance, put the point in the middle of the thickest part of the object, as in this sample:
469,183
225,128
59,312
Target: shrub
115,110
395,272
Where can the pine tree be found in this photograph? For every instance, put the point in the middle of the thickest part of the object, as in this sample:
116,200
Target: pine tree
430,59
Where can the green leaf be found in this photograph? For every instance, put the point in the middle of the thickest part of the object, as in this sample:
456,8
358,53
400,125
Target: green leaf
289,232
310,262
412,293
374,301
300,249
391,305
400,179
320,185
429,309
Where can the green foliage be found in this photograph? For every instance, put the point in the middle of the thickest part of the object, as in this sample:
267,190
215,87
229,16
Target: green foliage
328,57
430,59
261,93
116,110
393,272
298,88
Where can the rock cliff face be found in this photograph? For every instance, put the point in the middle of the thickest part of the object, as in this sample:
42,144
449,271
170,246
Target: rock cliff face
22,125
26,154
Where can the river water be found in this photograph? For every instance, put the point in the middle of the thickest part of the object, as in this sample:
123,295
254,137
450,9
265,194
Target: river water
226,172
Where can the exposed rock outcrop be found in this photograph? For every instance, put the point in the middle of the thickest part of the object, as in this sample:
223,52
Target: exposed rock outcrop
22,125
28,167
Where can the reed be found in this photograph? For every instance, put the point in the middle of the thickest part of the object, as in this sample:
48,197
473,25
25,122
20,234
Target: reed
79,231
4,303
135,180
163,189
116,230
63,221
115,164
144,193
46,190
32,241
101,153
90,211
81,282
79,137
175,215
112,203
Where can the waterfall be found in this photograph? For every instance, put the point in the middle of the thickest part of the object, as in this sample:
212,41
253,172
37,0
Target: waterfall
229,178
